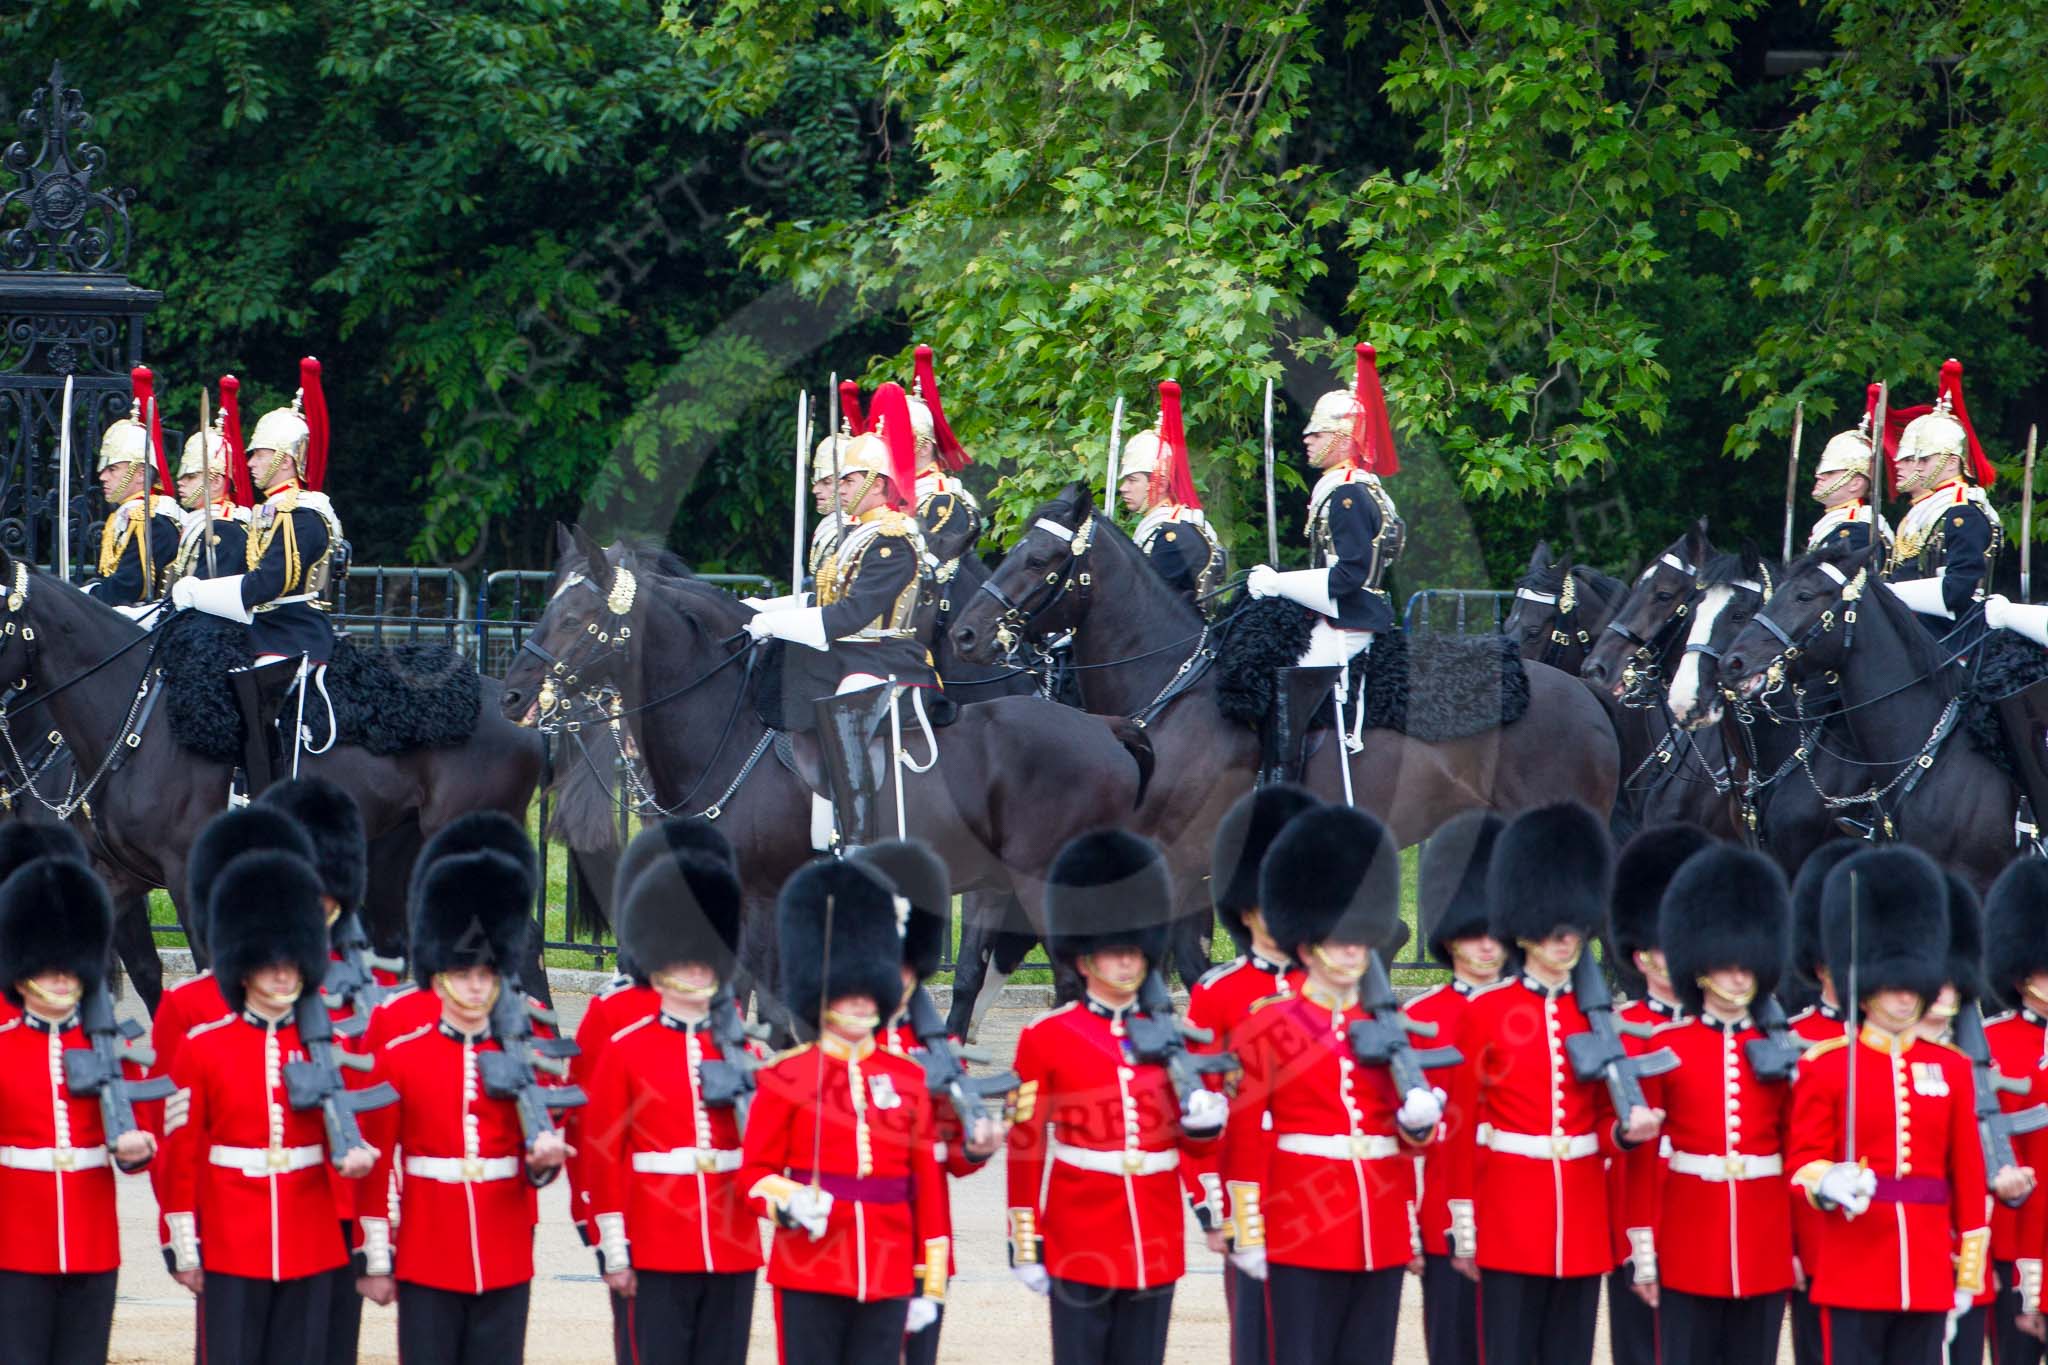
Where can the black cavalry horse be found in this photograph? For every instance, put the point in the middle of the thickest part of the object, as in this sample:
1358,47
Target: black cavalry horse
1139,651
1015,778
1892,720
147,797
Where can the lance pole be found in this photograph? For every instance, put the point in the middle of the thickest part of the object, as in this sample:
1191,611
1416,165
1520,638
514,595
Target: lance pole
1792,477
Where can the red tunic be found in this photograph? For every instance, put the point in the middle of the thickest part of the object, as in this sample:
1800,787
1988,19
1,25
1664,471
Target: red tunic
1816,1024
2019,1049
1220,1002
254,1170
183,1008
1916,1131
56,1175
1332,1185
1095,1154
619,1004
872,1153
1717,1204
1535,1173
950,1149
466,1207
1632,1176
1443,1006
655,1155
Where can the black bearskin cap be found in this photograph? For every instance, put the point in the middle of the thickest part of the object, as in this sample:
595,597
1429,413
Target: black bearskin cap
1965,964
1808,952
334,823
54,916
265,909
1725,907
1551,870
471,909
1244,834
684,908
672,837
1450,880
1900,905
476,831
920,877
1108,888
1333,873
1642,870
22,840
866,952
2016,927
245,829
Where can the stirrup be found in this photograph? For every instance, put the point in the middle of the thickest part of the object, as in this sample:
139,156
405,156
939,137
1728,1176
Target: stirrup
847,724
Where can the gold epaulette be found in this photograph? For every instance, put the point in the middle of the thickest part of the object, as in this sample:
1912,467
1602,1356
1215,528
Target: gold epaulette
799,1050
1274,999
1824,1046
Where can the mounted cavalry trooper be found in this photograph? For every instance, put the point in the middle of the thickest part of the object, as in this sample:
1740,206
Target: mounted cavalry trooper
295,551
1842,487
859,628
1172,529
1353,530
140,537
209,483
951,518
1948,540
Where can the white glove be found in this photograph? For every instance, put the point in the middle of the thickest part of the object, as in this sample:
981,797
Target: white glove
1034,1278
1203,1115
1259,582
809,1209
215,596
923,1313
1923,595
2021,618
802,626
1848,1187
1421,1110
1963,1304
1250,1262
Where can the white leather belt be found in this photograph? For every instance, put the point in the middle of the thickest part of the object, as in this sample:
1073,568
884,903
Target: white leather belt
1575,1147
1340,1146
52,1158
257,1162
1733,1166
688,1161
457,1170
1127,1161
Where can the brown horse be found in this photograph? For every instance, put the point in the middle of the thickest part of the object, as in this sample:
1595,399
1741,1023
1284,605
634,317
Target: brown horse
1136,641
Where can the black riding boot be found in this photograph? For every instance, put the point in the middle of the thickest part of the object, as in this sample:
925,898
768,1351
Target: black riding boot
1283,740
847,725
261,691
2023,717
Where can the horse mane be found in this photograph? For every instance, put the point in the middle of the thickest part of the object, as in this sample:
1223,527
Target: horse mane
1548,580
1063,509
1604,588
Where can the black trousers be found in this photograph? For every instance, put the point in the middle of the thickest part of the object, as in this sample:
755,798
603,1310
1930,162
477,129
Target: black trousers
1096,1326
679,1319
922,1348
56,1319
1245,1298
1855,1336
1808,1345
1631,1323
344,1308
1333,1317
1695,1330
831,1329
2009,1345
263,1322
1450,1314
1536,1319
443,1327
1968,1346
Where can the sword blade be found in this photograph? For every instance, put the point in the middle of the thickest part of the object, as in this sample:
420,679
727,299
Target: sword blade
1116,437
1272,523
1877,462
64,488
1792,476
803,455
2027,521
206,481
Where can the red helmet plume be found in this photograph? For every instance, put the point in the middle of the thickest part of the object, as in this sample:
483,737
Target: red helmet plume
144,385
313,399
890,411
1952,389
849,407
951,454
1372,435
240,488
1172,479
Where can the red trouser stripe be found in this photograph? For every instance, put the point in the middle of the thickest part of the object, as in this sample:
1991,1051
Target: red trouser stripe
1479,1316
1827,1337
781,1355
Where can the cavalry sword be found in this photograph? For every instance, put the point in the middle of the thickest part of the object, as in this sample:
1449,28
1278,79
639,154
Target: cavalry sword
803,443
838,441
1792,477
2027,521
206,536
1877,465
1116,436
64,488
1272,523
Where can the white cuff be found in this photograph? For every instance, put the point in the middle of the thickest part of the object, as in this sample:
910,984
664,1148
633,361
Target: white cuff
376,1245
1309,587
2021,618
1642,1253
1464,1230
184,1240
1923,595
216,597
612,1246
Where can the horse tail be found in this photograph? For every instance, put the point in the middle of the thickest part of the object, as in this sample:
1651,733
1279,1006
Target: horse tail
1138,745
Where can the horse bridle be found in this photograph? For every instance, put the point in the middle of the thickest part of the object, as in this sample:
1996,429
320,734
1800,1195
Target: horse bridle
1789,648
604,636
1018,617
1641,675
1762,589
1565,602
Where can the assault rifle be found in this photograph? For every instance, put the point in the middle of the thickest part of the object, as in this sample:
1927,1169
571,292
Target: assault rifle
351,981
1995,1128
514,1072
1775,1056
1159,1035
944,1075
97,1071
316,1082
1598,1054
729,1082
1382,1039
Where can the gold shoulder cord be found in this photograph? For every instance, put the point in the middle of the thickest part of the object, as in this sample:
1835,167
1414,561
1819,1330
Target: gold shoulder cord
112,544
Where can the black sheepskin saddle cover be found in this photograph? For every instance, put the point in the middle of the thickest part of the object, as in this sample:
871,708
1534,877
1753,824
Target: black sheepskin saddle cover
2008,664
1429,687
388,700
